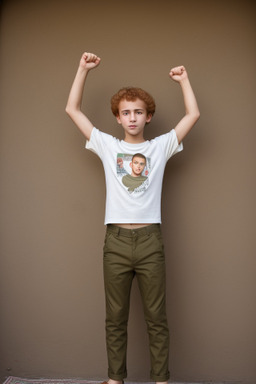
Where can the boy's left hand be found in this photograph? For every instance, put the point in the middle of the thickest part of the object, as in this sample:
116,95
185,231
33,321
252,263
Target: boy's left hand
178,73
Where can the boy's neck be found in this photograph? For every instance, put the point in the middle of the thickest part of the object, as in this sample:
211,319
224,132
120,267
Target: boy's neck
134,139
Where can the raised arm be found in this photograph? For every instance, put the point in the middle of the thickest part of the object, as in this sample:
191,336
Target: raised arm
88,61
192,114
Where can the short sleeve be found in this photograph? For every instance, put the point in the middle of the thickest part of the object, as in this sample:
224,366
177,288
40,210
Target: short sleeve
98,142
170,144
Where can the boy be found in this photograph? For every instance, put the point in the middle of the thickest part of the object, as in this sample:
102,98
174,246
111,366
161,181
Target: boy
133,243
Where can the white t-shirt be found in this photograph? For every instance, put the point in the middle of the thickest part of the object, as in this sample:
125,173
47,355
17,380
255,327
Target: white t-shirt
132,199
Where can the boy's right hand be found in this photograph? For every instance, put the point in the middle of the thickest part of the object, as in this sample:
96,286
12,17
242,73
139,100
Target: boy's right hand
89,60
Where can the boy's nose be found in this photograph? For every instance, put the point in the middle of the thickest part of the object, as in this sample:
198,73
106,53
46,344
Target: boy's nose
132,116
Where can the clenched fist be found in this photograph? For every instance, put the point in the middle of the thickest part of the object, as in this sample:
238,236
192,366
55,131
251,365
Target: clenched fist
178,73
89,60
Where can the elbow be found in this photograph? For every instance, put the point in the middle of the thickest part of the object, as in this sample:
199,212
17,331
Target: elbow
70,111
193,115
196,116
67,110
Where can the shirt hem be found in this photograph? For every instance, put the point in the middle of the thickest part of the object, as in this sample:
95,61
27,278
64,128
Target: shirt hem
142,221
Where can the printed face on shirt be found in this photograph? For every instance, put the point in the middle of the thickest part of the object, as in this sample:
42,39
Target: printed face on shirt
138,164
133,172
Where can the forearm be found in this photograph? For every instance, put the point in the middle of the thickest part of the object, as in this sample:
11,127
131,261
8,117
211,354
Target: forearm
191,107
76,92
192,113
73,107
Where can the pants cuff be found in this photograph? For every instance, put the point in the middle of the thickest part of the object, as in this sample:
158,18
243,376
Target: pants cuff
117,377
160,378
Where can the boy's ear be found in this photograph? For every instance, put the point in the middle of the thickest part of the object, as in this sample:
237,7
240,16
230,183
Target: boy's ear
118,119
149,117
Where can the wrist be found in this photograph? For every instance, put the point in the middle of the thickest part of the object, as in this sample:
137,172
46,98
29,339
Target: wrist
185,80
82,68
184,83
82,71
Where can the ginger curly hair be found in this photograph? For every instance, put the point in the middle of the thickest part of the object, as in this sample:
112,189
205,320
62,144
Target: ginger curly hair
132,94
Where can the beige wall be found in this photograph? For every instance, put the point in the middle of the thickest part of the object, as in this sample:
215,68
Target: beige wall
52,190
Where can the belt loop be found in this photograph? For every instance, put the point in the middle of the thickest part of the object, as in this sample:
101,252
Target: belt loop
118,230
147,230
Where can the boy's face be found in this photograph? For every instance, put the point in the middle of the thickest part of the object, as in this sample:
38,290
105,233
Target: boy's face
133,117
138,164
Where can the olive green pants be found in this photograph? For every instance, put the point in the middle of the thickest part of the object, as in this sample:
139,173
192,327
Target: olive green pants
128,253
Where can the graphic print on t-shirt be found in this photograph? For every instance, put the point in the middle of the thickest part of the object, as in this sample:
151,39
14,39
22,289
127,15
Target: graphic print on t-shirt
133,171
